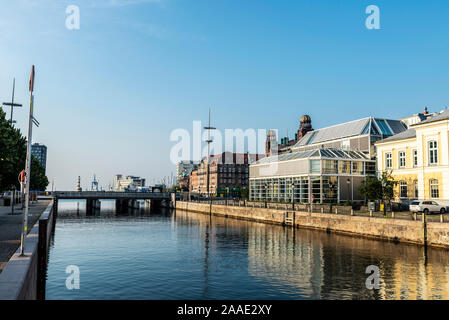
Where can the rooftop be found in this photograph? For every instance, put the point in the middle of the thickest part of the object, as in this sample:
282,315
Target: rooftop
373,126
317,153
443,115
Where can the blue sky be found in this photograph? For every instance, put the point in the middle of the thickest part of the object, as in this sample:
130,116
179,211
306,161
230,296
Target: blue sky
108,95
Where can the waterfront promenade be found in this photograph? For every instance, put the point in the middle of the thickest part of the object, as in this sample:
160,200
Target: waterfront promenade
424,231
11,227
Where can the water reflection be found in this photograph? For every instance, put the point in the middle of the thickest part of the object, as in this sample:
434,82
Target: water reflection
159,254
318,265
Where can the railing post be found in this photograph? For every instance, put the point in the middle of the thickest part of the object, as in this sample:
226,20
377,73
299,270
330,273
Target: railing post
392,214
441,218
352,212
371,213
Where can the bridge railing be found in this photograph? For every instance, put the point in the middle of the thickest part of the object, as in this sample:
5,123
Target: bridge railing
110,194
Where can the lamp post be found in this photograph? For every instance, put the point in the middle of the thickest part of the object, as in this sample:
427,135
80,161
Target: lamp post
332,189
265,194
209,141
348,183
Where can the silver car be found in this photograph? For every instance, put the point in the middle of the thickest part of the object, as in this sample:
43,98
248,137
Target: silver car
427,206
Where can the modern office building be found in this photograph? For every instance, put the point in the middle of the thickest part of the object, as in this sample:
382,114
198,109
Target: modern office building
128,183
325,165
418,159
39,151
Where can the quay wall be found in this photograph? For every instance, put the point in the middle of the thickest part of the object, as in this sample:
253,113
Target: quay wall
19,279
418,232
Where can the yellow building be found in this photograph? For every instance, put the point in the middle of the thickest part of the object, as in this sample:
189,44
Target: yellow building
418,159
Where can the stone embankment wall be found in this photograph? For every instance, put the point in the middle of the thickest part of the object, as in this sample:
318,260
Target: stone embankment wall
19,280
435,234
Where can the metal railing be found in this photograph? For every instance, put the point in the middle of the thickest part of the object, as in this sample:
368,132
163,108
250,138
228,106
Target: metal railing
328,209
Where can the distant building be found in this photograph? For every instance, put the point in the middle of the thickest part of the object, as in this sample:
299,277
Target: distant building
228,172
271,145
128,183
418,117
39,151
184,169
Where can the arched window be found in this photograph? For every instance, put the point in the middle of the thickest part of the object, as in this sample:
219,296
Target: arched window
433,152
434,190
403,189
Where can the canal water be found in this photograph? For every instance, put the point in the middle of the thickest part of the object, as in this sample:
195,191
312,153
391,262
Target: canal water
160,254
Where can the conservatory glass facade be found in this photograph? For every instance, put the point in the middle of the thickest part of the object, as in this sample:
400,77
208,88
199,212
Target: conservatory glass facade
322,175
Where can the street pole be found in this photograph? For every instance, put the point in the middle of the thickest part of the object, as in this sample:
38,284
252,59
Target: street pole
12,104
208,128
293,196
28,166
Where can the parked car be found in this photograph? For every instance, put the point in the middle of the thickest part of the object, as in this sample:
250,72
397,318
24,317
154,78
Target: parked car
427,206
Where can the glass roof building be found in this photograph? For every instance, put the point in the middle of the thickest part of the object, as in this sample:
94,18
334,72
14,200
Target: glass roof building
326,165
324,175
358,135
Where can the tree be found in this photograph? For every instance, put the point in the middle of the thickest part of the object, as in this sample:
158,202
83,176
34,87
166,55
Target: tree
378,188
371,188
244,193
13,156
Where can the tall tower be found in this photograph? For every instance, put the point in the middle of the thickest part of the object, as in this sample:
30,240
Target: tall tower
305,125
271,143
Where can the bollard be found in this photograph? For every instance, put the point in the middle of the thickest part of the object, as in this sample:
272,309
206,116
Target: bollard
371,213
441,218
414,216
352,212
392,214
336,210
322,210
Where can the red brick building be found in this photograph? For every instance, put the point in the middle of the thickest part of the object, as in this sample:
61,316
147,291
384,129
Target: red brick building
227,171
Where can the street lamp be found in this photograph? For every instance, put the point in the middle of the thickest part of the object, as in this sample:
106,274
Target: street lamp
332,189
348,183
293,196
265,186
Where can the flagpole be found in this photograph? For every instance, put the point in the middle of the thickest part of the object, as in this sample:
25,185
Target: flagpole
28,166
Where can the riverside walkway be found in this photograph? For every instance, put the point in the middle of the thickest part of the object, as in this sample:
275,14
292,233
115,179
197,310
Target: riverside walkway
11,227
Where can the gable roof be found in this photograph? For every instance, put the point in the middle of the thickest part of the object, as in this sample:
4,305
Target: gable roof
444,115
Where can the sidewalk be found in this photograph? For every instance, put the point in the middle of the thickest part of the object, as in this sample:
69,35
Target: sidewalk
11,227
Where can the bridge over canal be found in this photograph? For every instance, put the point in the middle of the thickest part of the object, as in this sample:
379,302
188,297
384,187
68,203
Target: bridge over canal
123,200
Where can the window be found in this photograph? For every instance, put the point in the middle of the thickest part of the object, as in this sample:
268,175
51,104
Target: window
330,167
315,166
434,192
357,167
433,152
403,189
415,158
388,160
401,159
344,167
345,145
415,187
